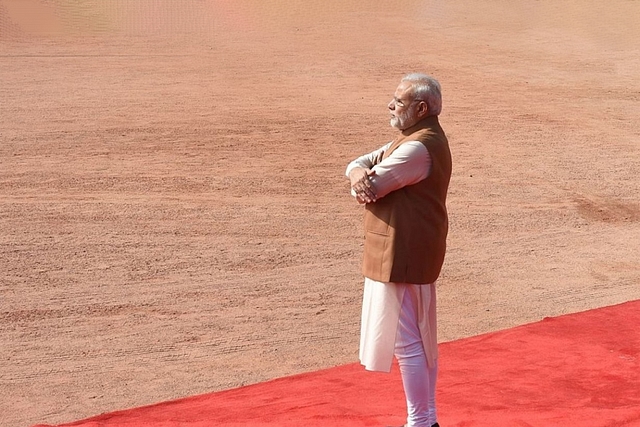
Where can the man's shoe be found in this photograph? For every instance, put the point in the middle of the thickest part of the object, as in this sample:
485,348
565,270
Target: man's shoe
435,425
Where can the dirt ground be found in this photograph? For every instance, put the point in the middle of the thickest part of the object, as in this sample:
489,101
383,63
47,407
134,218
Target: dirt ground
174,216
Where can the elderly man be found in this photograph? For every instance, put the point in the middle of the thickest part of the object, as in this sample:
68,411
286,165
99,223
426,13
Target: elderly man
404,187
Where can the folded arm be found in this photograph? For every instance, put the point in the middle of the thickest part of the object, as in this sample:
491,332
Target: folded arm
373,178
360,172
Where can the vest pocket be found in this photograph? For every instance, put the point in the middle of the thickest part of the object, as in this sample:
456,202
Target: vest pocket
378,259
377,221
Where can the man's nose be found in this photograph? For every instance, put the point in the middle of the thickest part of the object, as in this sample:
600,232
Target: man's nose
391,105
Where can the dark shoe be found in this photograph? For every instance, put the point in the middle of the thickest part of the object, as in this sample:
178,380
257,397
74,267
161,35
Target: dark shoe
435,425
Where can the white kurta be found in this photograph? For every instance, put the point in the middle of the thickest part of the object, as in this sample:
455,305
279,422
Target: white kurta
381,307
408,164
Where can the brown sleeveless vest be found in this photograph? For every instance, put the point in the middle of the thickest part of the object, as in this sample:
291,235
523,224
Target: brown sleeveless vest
406,231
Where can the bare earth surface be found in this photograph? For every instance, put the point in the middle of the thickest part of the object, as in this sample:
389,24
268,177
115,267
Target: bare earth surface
174,219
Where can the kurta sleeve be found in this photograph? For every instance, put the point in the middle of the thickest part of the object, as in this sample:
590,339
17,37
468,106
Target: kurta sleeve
409,164
367,161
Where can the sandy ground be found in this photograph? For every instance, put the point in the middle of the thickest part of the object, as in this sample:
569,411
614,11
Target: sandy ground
174,218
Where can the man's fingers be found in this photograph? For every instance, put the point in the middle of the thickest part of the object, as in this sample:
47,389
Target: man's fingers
365,193
362,185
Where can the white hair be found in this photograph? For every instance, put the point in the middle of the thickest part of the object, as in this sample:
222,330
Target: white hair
427,89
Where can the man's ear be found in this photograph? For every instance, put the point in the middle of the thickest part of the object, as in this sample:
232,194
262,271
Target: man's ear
423,109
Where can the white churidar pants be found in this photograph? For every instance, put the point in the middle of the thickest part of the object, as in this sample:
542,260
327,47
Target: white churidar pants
400,319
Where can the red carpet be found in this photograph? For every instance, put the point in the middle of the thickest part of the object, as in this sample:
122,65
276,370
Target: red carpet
577,370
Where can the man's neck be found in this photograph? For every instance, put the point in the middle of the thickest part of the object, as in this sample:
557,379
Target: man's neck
422,123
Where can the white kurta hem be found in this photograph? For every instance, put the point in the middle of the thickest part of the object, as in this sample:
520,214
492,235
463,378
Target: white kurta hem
381,307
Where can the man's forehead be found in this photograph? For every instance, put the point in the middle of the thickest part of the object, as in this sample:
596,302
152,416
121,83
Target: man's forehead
404,90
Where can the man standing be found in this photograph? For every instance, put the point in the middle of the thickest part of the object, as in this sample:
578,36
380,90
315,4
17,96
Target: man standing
404,187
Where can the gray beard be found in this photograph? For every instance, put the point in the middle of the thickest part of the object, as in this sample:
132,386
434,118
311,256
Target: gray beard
399,122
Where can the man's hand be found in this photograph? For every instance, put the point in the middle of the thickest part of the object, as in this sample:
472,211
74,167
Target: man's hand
362,186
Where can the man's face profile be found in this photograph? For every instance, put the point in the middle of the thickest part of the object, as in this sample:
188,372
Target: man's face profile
404,107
